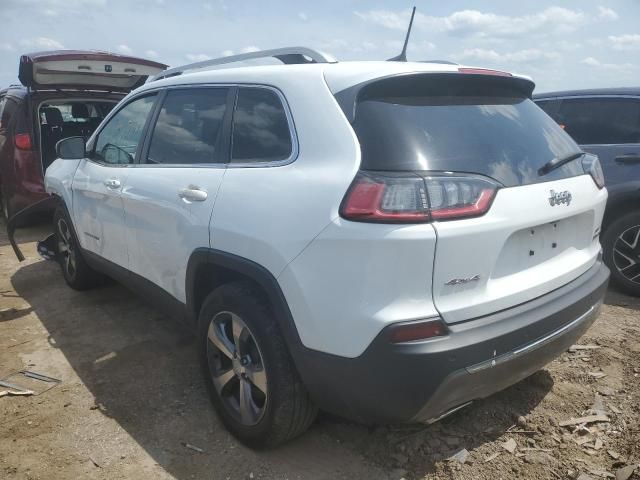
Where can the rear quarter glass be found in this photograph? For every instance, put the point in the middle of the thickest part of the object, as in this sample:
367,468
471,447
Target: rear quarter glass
462,125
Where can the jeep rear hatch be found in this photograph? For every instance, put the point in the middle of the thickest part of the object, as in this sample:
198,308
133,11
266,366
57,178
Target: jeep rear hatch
85,70
516,214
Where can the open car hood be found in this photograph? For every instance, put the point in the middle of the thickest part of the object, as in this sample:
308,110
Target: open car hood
85,70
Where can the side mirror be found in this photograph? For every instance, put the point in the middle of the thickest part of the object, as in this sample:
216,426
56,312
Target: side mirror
72,148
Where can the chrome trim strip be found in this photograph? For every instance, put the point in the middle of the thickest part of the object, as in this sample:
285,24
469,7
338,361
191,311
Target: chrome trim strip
531,346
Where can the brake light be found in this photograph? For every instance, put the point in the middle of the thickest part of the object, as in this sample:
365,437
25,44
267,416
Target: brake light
22,141
383,197
416,331
484,71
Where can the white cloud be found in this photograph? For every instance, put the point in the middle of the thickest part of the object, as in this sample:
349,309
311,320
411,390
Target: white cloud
476,23
197,57
625,42
607,13
565,45
151,53
249,49
335,44
126,49
593,62
227,53
369,46
41,42
423,46
303,16
520,56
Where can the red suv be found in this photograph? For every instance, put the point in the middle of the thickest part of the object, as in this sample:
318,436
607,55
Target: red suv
63,93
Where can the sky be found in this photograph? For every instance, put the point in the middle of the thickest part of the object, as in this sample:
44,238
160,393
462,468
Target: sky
562,45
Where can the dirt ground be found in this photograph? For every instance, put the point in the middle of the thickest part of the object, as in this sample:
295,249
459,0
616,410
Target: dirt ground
131,397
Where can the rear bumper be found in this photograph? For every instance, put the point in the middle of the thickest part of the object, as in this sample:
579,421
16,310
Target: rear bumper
422,381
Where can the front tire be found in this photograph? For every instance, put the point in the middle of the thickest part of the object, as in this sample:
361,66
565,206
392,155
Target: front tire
251,378
75,270
621,247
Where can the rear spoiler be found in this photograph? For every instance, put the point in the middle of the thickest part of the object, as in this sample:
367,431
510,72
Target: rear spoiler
46,204
392,84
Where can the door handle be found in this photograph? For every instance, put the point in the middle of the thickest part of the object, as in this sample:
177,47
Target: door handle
192,194
629,158
112,183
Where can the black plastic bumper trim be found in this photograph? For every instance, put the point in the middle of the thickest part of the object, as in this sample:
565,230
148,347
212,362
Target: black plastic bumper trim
421,381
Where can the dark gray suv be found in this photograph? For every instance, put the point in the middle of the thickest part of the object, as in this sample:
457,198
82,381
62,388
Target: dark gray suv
606,122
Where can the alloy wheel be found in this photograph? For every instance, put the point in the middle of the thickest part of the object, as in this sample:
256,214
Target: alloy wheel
66,248
626,254
237,368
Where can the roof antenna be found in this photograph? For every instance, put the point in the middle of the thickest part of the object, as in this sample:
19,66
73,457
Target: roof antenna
403,55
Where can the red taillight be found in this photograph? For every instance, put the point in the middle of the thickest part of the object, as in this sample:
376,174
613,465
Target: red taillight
394,199
484,71
22,141
416,331
411,198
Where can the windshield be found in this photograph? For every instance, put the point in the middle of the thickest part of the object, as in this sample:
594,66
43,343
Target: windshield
463,127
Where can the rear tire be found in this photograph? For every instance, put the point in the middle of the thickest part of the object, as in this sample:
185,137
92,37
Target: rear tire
243,353
77,273
621,249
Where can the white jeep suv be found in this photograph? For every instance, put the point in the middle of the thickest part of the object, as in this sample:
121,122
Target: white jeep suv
387,241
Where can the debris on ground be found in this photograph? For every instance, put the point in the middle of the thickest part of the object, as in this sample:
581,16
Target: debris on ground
192,447
606,391
625,473
15,393
460,457
510,445
584,476
576,348
584,420
613,454
491,457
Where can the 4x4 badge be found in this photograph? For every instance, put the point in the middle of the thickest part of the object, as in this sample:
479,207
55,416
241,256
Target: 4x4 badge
557,198
461,281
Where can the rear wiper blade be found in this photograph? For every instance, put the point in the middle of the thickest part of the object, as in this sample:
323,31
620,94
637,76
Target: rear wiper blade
558,162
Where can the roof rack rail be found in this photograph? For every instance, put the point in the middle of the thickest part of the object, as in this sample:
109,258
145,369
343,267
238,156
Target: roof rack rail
287,55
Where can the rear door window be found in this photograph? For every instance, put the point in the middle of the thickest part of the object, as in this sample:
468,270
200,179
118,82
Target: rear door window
461,124
119,140
189,129
260,127
601,121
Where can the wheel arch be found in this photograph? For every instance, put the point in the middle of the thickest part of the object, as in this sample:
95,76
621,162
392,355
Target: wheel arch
209,268
620,205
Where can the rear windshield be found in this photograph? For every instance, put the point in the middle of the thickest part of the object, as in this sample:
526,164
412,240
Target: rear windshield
463,125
